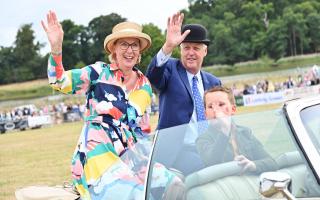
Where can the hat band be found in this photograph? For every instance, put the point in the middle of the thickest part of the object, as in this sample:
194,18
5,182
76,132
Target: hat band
128,30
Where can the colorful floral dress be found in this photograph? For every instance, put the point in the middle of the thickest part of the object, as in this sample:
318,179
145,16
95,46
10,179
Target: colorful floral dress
110,128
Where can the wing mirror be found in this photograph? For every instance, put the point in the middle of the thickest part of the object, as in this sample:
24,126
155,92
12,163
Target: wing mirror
274,185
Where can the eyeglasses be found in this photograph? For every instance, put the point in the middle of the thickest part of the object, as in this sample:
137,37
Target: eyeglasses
134,46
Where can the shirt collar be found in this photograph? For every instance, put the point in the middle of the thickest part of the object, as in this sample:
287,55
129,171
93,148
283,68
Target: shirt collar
190,76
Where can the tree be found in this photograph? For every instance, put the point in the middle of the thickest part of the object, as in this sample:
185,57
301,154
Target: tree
295,24
198,7
157,41
7,62
310,25
222,43
313,22
71,43
86,44
98,29
253,24
26,54
276,40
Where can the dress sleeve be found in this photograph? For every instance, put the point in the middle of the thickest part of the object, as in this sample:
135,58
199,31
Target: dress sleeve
75,81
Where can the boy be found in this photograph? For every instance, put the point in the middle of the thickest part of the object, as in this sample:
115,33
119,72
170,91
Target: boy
225,141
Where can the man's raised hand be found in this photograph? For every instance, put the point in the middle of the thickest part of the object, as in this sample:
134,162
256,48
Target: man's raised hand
174,36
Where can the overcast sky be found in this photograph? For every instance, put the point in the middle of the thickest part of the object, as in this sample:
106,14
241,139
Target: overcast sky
15,13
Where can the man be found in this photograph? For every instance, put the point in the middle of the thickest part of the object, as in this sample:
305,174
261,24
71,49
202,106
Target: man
225,141
181,83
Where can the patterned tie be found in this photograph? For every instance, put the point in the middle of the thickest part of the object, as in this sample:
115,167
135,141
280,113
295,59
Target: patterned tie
197,100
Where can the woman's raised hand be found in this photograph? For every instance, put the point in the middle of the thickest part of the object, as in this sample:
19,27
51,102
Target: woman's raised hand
54,32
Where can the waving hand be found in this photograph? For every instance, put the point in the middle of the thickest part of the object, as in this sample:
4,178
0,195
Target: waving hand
174,36
54,32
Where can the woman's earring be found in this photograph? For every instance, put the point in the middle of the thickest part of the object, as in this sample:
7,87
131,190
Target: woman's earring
139,59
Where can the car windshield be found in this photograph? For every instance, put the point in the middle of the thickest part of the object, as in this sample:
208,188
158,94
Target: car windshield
225,160
311,120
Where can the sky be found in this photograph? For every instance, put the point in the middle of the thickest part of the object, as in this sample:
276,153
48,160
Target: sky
15,13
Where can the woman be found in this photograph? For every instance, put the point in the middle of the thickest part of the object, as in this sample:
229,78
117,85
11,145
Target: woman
117,95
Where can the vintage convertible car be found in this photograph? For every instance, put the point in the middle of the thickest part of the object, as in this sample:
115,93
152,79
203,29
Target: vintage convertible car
284,145
290,136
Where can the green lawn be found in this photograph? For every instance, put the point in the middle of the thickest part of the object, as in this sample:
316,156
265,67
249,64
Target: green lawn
36,157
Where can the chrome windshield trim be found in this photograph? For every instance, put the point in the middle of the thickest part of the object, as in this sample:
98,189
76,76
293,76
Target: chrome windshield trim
148,166
292,110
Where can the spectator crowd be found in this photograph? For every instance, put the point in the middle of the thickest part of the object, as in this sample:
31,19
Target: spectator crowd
309,78
59,112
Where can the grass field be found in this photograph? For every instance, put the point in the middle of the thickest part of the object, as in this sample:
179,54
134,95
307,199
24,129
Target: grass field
43,156
36,157
25,90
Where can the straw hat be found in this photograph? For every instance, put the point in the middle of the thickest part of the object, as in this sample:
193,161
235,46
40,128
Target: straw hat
125,30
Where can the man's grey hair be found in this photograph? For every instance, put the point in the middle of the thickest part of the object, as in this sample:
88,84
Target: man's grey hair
203,45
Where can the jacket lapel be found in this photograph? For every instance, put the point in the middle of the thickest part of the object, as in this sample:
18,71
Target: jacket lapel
183,75
204,81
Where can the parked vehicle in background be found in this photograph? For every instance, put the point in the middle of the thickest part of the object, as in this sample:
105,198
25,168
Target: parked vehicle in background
21,124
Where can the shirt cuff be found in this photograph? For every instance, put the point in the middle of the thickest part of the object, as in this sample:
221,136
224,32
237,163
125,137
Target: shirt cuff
56,53
162,58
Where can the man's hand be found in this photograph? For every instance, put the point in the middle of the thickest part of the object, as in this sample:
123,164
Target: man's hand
247,164
221,121
174,36
54,32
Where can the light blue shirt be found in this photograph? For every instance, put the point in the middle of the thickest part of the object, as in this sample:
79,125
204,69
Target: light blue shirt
162,58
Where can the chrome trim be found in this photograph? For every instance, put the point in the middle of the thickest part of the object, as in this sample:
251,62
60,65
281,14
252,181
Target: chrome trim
148,166
292,110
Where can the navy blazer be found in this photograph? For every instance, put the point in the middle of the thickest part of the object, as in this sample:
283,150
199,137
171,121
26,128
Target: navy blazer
175,99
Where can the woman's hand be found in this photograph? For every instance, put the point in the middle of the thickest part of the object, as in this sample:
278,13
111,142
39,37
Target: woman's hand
54,32
174,36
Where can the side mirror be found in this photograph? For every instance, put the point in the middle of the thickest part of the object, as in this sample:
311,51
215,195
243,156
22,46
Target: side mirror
274,185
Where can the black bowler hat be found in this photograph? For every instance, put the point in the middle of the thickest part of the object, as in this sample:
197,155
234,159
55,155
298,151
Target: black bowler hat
198,34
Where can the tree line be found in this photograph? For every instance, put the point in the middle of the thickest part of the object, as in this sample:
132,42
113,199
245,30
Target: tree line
239,30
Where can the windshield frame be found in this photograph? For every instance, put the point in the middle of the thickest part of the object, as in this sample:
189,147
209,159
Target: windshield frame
292,111
146,181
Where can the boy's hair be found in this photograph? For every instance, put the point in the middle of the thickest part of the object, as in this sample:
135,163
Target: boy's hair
227,90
